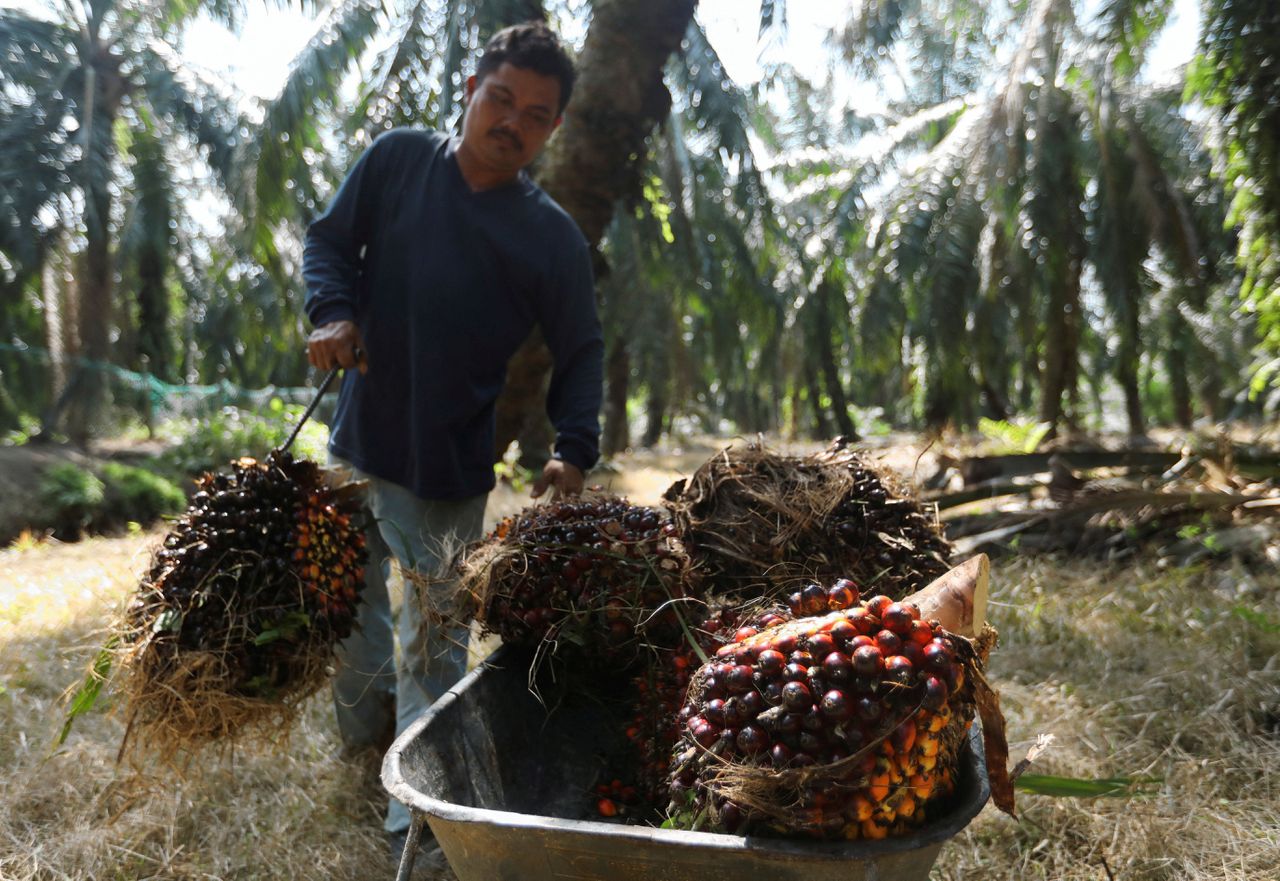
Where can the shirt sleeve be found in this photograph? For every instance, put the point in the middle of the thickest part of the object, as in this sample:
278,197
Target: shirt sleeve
333,250
571,326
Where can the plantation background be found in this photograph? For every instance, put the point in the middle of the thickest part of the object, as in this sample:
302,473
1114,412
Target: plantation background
945,228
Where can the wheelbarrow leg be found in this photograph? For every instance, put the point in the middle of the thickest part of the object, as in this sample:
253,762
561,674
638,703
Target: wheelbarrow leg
410,847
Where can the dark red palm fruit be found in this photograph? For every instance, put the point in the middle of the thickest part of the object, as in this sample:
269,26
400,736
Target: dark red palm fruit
937,656
835,705
868,709
843,594
899,669
796,696
868,661
713,687
752,739
921,633
738,679
790,723
811,720
837,667
811,743
727,651
795,602
912,652
935,693
733,715
859,641
802,760
803,658
744,633
752,704
780,755
713,711
730,817
795,673
770,620
897,617
843,632
888,642
863,621
813,599
877,604
770,662
772,694
745,654
786,644
820,645
704,733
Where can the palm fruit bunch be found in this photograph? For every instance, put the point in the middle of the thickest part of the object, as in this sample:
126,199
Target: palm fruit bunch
759,523
843,724
594,572
246,598
658,691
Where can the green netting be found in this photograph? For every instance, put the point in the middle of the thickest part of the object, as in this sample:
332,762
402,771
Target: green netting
101,398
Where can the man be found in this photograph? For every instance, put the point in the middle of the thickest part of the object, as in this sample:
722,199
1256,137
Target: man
432,264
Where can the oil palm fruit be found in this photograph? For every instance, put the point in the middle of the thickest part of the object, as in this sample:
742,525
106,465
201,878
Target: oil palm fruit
264,568
595,572
842,723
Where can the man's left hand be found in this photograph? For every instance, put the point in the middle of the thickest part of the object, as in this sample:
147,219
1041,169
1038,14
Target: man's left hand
563,478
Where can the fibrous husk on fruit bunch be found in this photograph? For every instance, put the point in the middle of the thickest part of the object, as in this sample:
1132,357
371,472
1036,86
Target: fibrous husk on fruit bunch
235,622
755,521
594,574
844,725
658,690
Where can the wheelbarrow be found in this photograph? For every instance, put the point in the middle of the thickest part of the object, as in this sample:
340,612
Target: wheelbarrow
503,782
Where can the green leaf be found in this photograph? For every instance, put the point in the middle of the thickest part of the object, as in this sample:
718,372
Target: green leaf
1072,787
267,636
86,696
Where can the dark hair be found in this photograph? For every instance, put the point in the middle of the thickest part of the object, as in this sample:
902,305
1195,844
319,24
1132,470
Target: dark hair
532,46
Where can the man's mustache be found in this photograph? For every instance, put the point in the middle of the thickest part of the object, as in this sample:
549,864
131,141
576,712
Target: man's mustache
509,135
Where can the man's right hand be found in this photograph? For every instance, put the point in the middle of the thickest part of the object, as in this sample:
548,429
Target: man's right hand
337,344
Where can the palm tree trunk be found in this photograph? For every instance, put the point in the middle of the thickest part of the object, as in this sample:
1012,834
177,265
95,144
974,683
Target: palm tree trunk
1127,363
821,419
830,370
617,437
592,161
105,89
54,328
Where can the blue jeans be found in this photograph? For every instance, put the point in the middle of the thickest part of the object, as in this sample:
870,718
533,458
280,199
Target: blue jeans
421,534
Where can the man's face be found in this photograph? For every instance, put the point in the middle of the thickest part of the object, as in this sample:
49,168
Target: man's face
510,114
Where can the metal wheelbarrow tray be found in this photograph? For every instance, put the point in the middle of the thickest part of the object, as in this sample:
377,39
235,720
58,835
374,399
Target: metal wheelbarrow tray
505,784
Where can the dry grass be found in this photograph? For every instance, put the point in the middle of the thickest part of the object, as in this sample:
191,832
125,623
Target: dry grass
1136,670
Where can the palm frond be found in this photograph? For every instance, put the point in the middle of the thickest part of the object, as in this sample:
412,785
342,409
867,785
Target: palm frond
719,110
873,31
199,108
1127,29
288,146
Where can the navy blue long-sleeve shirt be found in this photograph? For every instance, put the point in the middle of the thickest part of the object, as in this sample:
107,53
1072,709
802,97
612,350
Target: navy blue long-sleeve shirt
445,284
